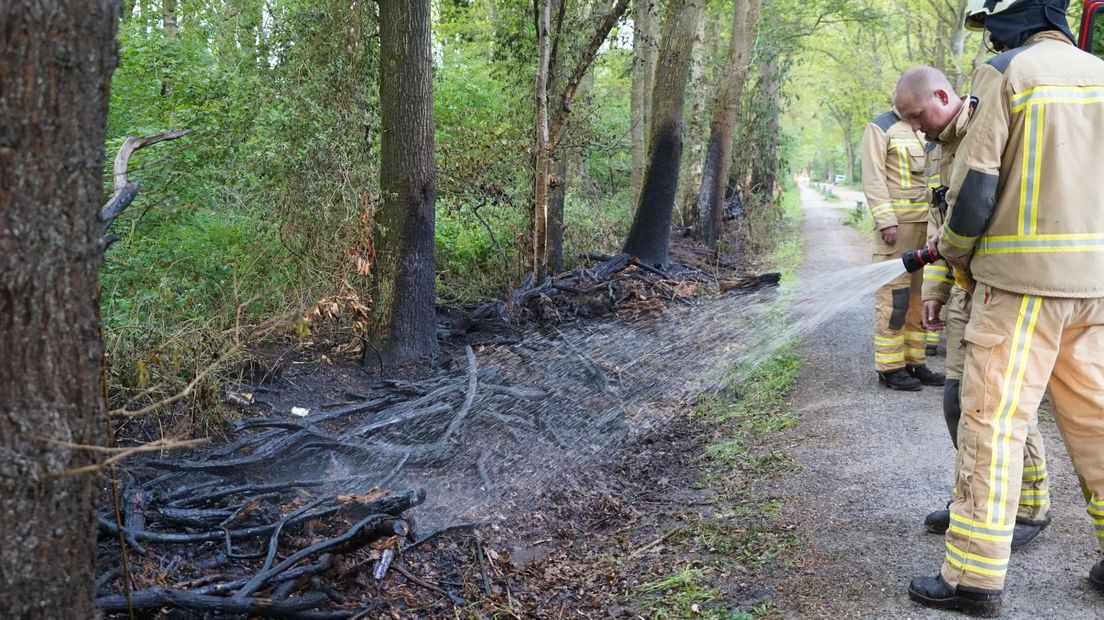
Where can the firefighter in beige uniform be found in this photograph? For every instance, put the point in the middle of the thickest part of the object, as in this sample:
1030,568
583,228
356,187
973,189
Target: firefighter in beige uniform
896,192
927,101
1027,221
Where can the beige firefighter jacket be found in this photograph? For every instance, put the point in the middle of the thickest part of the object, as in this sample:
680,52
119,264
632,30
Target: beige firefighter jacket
938,278
893,172
1026,204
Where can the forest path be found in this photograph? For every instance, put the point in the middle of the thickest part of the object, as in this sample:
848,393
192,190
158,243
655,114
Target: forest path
876,461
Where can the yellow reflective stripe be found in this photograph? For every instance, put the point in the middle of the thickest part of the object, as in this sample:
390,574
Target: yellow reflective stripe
936,269
1050,242
889,357
933,337
914,352
880,210
903,164
1031,169
1044,94
993,528
1011,387
889,341
935,278
956,240
1035,472
974,534
972,562
935,181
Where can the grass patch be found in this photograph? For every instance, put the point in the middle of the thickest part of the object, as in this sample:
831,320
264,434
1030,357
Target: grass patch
858,217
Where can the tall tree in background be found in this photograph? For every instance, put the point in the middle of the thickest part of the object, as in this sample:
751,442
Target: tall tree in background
404,310
56,60
651,227
645,51
718,157
556,90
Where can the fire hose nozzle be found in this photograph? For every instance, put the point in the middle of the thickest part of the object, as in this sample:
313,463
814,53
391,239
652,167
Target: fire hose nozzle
915,260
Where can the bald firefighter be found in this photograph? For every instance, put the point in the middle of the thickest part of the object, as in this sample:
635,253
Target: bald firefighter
896,192
1027,222
927,101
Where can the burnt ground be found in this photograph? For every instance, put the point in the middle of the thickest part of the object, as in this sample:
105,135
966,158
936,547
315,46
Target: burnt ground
634,474
586,458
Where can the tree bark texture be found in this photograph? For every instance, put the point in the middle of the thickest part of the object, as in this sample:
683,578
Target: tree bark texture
56,60
718,158
651,227
542,178
645,51
405,293
695,132
765,166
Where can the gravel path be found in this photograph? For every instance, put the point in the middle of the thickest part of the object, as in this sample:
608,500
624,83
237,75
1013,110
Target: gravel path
876,461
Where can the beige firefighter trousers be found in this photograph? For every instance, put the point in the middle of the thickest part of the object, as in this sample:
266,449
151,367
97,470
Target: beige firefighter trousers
1016,344
899,338
1035,488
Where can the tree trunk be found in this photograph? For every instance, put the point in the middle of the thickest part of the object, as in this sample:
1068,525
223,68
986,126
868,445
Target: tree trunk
542,178
404,302
56,62
718,159
765,167
645,51
651,227
695,133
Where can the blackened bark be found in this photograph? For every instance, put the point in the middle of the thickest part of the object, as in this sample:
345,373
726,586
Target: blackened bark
405,294
56,60
651,228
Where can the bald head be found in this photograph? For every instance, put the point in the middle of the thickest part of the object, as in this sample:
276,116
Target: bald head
920,83
925,99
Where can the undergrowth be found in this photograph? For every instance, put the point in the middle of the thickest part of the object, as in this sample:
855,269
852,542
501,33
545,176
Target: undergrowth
747,414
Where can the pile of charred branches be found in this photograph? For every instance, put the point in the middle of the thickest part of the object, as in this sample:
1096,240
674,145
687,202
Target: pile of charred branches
620,283
243,528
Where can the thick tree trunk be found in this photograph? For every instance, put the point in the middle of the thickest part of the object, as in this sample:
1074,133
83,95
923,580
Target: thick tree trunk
557,193
651,227
745,18
404,300
56,60
645,51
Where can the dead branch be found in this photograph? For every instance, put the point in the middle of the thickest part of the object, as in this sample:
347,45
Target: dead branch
124,190
120,454
157,598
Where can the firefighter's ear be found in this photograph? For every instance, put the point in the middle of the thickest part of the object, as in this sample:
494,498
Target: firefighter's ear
942,95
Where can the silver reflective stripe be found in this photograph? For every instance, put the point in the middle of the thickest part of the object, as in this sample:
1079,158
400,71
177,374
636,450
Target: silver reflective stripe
1009,402
1057,94
988,564
1032,146
975,528
1040,243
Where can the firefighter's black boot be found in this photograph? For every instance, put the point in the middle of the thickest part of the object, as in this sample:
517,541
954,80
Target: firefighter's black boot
931,350
938,594
1026,530
899,379
937,522
1096,575
926,375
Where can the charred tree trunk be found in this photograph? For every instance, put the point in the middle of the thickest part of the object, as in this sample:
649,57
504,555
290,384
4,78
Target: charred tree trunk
651,227
718,158
56,61
645,51
404,302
